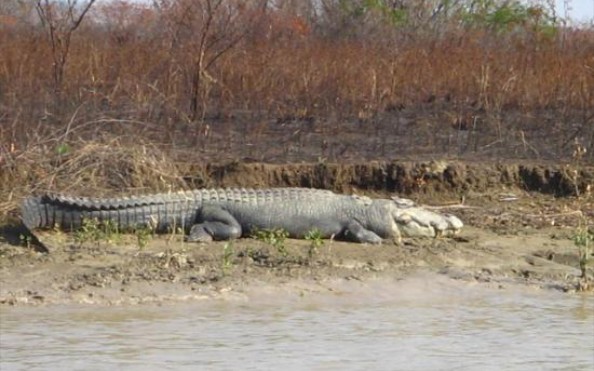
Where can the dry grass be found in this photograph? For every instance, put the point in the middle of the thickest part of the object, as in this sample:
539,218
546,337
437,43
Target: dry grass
142,77
141,80
93,169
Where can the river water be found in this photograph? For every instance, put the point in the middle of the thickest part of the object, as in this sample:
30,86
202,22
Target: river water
427,324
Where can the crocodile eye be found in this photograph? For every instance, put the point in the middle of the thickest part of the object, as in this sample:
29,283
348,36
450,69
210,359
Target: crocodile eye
403,202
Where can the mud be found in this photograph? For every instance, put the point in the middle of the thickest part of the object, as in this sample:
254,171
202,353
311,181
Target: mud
520,220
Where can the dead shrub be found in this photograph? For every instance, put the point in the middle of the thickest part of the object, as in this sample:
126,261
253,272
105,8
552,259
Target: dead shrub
94,169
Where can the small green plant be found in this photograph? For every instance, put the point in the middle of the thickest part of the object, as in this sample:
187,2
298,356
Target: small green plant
90,231
314,236
143,235
227,257
94,230
584,240
274,237
111,231
63,149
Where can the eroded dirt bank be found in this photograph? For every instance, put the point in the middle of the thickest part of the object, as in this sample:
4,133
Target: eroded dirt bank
520,221
404,177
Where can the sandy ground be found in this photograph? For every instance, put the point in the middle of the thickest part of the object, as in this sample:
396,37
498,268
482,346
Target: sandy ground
511,238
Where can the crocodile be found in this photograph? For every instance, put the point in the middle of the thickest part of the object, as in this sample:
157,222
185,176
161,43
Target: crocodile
222,214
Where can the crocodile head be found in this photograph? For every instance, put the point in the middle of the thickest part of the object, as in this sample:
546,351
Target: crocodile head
416,221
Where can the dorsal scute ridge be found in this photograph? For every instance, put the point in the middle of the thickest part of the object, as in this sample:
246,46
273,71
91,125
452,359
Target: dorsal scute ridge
192,196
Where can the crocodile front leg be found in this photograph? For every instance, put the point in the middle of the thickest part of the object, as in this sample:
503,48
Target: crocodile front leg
215,223
357,233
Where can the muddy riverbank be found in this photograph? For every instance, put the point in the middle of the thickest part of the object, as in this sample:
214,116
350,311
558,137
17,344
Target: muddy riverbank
514,234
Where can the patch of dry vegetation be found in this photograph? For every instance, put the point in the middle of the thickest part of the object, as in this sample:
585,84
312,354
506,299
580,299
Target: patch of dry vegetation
88,169
185,75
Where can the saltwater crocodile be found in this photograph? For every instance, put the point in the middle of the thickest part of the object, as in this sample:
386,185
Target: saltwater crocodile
221,214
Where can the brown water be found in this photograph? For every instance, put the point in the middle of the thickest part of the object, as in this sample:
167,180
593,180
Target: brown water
421,323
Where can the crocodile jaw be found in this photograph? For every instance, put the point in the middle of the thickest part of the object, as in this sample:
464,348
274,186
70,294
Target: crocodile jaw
419,222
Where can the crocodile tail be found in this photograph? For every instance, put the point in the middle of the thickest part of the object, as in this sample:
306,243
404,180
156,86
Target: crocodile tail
32,211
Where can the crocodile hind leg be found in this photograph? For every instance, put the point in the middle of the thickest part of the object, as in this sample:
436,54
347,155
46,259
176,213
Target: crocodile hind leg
216,224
